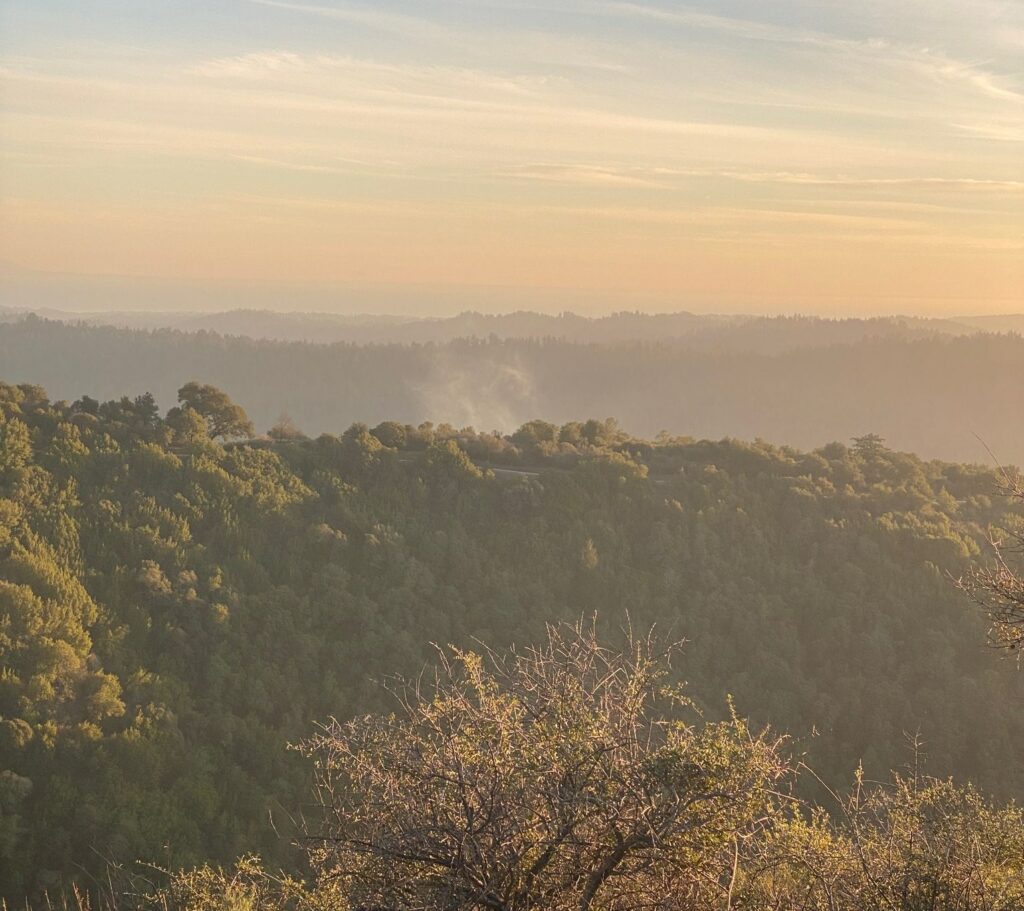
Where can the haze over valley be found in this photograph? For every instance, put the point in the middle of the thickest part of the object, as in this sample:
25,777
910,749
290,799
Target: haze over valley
940,388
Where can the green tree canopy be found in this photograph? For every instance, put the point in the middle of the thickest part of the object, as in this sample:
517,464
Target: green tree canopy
224,419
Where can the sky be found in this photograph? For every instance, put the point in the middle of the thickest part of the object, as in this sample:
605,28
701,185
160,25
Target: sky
427,157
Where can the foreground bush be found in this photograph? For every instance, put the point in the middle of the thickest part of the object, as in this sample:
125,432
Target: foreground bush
574,776
556,777
913,844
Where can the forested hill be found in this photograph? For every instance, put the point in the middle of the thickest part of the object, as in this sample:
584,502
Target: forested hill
173,611
754,334
942,397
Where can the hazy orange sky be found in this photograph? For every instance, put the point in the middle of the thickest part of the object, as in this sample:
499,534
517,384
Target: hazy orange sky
825,157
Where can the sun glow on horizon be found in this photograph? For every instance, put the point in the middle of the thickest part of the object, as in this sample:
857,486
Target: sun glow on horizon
732,151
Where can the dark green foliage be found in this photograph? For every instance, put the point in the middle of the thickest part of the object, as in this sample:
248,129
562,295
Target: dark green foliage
173,611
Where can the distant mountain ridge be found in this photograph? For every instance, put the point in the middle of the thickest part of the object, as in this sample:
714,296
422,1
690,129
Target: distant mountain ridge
705,331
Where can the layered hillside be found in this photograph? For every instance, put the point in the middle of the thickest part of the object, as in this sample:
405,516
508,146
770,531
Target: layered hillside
942,397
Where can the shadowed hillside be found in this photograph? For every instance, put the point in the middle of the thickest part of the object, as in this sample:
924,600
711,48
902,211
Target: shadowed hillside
936,395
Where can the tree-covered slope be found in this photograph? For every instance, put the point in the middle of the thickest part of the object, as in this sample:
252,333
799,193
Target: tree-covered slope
939,397
174,611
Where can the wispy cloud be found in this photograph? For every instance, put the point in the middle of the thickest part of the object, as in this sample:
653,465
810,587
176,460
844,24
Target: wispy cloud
734,217
663,177
255,65
586,175
346,166
324,71
946,70
741,28
925,61
432,97
1000,132
368,16
911,183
